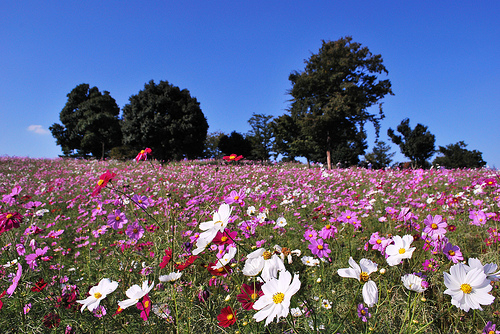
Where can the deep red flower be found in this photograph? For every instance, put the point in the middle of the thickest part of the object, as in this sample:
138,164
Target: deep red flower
233,157
250,293
166,258
143,154
225,238
187,263
9,220
1,296
39,286
145,307
227,317
103,181
51,320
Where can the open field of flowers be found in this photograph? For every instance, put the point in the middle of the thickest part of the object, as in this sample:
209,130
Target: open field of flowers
225,247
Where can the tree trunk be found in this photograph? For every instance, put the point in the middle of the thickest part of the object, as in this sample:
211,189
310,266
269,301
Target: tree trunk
329,159
102,156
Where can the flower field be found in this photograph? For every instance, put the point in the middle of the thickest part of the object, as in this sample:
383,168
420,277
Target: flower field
229,247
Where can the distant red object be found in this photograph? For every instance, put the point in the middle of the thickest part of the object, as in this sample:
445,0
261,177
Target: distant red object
233,157
143,154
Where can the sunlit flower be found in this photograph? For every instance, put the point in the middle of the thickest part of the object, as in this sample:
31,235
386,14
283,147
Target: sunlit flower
227,317
362,273
310,261
134,293
233,157
453,253
281,222
210,228
326,304
15,280
98,293
170,277
103,181
145,307
413,282
228,256
363,313
117,220
434,225
490,269
134,231
319,248
236,197
263,261
399,250
468,289
143,154
275,302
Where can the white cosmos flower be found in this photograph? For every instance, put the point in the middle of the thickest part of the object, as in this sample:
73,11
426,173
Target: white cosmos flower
310,261
225,259
275,303
362,273
413,282
399,250
263,261
98,293
134,293
210,228
490,269
281,222
174,276
468,289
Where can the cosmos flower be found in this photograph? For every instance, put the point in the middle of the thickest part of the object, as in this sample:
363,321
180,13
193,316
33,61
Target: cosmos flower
134,293
228,256
249,294
399,250
134,231
227,317
413,282
275,303
319,248
264,262
468,289
434,225
15,280
170,277
453,253
98,293
363,313
103,181
362,273
210,228
233,157
143,154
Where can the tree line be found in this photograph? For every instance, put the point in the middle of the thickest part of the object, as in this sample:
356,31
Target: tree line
332,100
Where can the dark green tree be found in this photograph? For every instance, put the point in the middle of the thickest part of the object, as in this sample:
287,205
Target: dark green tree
457,156
235,143
261,136
416,144
166,119
380,157
331,98
90,123
212,150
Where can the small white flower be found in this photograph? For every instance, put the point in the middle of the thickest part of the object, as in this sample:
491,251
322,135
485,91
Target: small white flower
263,261
174,276
134,293
225,259
251,210
399,250
281,222
326,304
413,282
362,273
310,261
98,293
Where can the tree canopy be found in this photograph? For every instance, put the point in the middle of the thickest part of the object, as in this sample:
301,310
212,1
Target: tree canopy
380,157
261,136
416,144
166,119
235,143
330,102
90,123
457,156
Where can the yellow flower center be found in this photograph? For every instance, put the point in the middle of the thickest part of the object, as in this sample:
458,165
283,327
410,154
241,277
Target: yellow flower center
236,198
379,241
100,182
402,251
466,288
117,218
434,226
278,297
363,277
142,151
452,253
136,230
491,332
146,304
363,312
9,216
140,201
219,222
328,227
254,296
223,239
267,255
230,317
320,247
97,295
348,217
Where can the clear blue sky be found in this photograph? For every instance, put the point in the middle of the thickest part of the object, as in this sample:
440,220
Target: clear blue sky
235,58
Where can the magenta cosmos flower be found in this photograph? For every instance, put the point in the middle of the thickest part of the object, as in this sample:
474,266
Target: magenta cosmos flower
143,154
103,181
134,231
117,220
434,225
319,248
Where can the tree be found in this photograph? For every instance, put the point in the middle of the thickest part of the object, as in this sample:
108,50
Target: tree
90,123
416,144
380,156
235,143
260,136
457,156
331,97
166,119
212,150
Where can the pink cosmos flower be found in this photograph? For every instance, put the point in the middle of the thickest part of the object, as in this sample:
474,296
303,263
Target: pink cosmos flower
142,201
134,231
453,253
233,157
328,232
9,220
434,225
145,307
363,313
117,220
236,197
103,181
15,280
478,217
310,234
143,154
319,248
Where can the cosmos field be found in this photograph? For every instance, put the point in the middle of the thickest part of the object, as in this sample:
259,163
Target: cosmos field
233,247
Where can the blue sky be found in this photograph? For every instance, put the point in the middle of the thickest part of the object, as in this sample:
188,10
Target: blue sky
235,58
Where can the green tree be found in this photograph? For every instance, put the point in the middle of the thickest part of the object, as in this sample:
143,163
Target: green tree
260,136
331,98
90,123
380,157
212,150
457,156
416,144
235,143
166,119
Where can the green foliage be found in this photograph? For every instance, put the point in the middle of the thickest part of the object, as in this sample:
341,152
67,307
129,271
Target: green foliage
260,136
380,157
235,143
457,156
122,153
416,144
212,150
90,123
331,97
166,119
